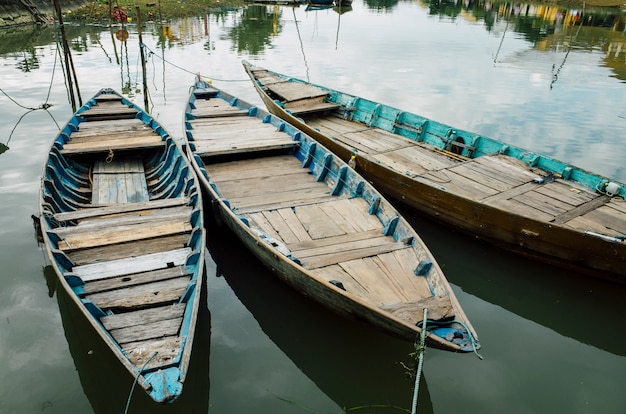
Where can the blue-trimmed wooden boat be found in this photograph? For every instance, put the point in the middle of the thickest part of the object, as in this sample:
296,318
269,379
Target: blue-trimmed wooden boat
316,223
514,198
122,223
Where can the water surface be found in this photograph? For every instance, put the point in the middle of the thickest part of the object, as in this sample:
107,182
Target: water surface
546,79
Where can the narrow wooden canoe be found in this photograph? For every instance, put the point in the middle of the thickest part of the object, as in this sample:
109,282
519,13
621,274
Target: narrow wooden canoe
511,197
121,218
316,223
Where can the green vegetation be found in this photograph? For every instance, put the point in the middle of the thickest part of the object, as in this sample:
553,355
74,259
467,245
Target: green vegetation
99,9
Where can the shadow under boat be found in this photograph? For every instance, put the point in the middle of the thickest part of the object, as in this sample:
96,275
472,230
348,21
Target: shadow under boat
352,364
106,383
572,305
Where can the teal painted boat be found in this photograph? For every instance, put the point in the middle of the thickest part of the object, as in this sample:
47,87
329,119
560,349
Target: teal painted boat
122,223
317,224
514,198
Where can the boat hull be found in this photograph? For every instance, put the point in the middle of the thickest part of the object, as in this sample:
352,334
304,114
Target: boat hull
122,223
286,206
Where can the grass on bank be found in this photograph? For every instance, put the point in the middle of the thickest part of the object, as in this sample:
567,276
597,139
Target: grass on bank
98,10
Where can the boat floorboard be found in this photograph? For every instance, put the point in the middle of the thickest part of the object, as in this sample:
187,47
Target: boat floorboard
128,249
146,294
496,180
335,237
220,136
131,265
155,353
97,286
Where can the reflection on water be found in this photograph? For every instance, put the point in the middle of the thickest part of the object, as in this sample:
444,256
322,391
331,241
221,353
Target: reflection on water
529,289
352,364
106,382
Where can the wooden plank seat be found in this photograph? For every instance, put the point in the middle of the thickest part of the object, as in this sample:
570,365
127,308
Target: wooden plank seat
132,265
109,109
75,238
212,108
299,98
241,135
113,142
165,291
119,182
112,209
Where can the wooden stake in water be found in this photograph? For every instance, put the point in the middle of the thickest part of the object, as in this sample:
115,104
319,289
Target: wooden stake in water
143,62
420,355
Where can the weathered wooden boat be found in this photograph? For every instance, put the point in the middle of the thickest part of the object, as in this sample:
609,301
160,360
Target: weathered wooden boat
316,223
122,223
511,197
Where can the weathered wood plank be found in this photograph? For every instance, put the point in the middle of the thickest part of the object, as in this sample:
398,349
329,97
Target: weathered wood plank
167,291
129,249
454,183
135,279
142,217
581,209
294,224
331,242
439,308
159,352
280,227
148,141
148,330
269,185
609,217
123,234
132,265
544,203
119,208
316,222
144,316
293,91
340,257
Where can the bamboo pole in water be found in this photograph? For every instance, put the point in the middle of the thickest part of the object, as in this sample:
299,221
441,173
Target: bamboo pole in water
143,61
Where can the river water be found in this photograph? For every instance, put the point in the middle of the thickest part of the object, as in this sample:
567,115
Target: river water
548,79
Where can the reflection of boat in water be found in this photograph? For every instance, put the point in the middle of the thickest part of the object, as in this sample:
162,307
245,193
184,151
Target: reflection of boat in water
106,383
571,305
352,365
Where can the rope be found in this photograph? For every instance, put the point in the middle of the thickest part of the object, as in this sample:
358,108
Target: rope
135,382
151,53
420,354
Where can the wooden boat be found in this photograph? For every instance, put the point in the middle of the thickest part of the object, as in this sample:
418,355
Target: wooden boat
511,197
316,223
122,223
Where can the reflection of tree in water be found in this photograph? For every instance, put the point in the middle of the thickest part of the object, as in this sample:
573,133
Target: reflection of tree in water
255,30
29,62
382,6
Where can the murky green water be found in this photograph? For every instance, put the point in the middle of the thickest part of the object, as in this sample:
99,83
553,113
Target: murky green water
553,342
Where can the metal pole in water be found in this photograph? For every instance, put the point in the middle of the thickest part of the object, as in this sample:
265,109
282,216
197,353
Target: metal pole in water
420,355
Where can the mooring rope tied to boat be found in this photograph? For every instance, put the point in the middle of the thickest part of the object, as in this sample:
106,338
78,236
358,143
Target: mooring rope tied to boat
420,355
130,395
